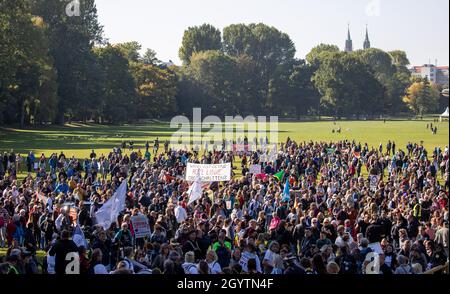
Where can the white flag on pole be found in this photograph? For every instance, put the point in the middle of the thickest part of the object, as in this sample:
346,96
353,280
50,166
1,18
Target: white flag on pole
108,213
195,190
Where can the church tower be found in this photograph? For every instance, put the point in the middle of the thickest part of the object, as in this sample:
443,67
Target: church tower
366,41
349,42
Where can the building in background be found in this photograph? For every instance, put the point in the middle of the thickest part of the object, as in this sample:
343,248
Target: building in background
435,74
366,44
349,41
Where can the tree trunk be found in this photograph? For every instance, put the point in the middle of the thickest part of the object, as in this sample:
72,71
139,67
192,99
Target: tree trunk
22,114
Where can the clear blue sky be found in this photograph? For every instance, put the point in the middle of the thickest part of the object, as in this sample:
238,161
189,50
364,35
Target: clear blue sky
419,27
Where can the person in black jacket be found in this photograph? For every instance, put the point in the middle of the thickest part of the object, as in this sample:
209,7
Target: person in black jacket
386,225
307,243
412,227
30,240
105,245
61,251
192,245
282,235
384,268
84,218
347,262
298,233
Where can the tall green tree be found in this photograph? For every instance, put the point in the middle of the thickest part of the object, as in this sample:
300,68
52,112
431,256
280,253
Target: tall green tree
149,57
71,41
314,55
347,85
130,50
399,58
215,72
390,70
271,51
198,39
303,96
27,77
156,91
118,103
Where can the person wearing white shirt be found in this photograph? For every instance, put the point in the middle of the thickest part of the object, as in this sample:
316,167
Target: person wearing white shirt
214,266
59,220
180,214
249,253
189,267
270,256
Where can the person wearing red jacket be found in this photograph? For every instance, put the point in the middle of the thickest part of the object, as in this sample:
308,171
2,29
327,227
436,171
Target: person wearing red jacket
10,230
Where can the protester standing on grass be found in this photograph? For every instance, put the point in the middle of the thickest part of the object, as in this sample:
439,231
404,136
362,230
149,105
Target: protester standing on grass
310,211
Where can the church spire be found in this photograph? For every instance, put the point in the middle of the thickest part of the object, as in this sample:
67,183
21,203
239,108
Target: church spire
349,42
367,41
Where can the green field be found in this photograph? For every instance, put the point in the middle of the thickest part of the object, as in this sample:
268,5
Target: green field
79,139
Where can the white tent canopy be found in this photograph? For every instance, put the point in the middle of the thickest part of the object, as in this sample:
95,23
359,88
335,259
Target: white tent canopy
444,115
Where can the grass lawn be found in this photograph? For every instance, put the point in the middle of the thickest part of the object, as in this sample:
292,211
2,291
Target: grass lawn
79,139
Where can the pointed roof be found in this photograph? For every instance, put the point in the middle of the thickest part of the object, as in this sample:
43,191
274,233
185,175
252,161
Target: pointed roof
367,41
348,42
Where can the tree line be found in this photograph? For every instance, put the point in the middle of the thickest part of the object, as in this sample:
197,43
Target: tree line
56,68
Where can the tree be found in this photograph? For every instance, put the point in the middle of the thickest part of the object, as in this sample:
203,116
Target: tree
266,45
379,61
156,91
271,51
422,97
390,70
118,103
149,57
27,78
314,55
198,39
215,72
71,40
399,58
130,50
347,85
303,96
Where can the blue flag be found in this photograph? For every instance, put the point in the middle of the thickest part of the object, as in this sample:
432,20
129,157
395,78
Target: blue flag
78,237
287,191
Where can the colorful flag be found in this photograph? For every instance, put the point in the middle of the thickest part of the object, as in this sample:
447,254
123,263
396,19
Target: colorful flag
279,175
287,192
261,176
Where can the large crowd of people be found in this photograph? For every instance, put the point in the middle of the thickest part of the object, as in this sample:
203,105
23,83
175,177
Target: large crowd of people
344,201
